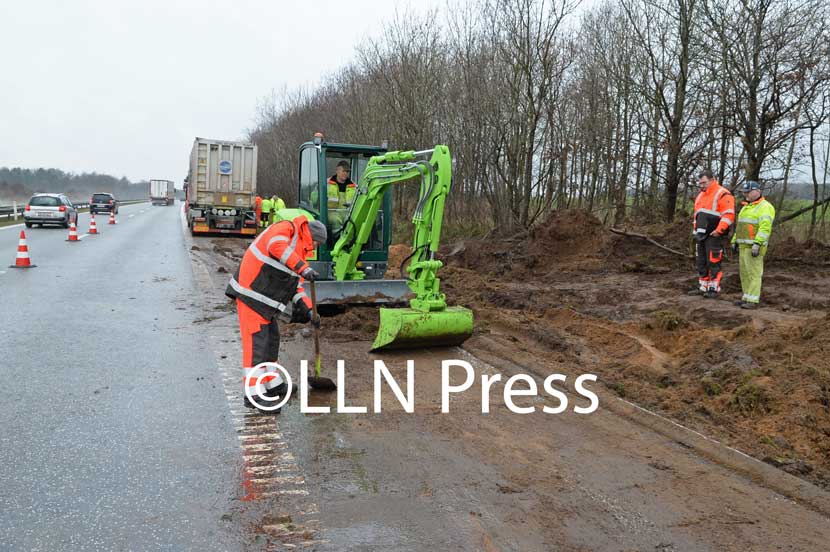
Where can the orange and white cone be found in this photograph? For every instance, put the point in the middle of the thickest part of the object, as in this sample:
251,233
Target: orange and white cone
22,260
73,232
92,228
112,217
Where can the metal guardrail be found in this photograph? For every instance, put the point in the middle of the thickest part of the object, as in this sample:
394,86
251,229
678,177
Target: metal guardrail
8,211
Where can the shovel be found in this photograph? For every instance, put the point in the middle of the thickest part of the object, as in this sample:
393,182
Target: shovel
318,382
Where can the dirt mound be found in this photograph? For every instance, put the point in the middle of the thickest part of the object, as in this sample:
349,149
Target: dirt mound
645,256
789,252
567,233
397,254
572,239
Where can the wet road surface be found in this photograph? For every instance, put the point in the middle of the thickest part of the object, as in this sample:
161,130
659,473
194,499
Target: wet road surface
114,430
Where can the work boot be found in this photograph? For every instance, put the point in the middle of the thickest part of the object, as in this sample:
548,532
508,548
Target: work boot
739,303
696,291
749,306
711,294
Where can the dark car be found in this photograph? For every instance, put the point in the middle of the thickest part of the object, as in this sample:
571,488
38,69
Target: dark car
103,203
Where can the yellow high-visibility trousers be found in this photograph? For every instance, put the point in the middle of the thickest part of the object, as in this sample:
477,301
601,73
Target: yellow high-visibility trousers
752,271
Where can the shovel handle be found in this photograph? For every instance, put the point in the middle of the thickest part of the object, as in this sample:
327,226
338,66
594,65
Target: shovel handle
317,359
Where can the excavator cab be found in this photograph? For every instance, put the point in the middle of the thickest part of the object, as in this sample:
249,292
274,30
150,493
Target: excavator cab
322,197
346,187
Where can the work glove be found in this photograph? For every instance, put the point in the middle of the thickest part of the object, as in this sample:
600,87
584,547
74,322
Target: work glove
734,248
309,274
314,319
756,249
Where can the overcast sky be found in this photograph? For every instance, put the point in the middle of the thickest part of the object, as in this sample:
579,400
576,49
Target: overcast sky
123,87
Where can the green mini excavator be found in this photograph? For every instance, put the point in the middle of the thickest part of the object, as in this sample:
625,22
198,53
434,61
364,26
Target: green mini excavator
353,261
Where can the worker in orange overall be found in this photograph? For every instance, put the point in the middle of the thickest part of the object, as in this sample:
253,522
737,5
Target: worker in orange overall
713,219
258,210
269,286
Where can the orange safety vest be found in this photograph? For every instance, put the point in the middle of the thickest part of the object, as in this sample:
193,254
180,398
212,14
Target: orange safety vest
714,210
268,279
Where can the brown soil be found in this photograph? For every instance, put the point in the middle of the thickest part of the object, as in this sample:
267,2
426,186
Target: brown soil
576,295
617,307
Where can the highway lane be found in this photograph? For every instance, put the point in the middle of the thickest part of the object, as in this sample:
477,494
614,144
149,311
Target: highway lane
114,429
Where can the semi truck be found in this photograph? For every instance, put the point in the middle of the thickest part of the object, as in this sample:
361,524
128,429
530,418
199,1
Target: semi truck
162,192
220,188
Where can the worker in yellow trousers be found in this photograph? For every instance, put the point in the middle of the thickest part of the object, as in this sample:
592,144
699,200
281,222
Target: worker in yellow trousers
750,242
265,217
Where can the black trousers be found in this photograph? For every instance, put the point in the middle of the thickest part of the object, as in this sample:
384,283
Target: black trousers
266,343
709,257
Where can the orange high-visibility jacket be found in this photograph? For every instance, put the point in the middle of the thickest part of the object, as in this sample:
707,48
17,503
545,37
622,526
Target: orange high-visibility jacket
714,210
268,277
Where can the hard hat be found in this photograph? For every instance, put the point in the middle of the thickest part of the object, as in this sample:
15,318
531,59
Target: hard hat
318,231
749,185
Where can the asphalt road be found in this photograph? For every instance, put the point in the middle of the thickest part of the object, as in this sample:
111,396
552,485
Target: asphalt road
114,427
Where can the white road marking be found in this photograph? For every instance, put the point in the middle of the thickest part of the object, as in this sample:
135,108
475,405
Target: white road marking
272,494
287,480
2,271
276,437
131,216
11,226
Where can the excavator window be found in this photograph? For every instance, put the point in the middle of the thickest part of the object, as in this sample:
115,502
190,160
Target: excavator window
339,200
309,182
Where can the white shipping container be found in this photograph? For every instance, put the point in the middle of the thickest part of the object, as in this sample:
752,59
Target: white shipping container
222,173
160,188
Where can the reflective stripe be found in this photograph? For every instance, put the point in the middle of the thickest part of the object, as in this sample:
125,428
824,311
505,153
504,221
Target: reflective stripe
276,239
718,195
748,220
727,221
728,211
746,242
254,372
298,296
270,261
765,217
290,249
751,298
700,231
708,211
271,380
257,296
762,235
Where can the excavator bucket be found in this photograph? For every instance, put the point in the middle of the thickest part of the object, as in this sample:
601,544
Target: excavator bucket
406,327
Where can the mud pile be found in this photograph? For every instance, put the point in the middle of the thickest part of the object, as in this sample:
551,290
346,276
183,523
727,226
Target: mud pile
765,391
570,292
574,237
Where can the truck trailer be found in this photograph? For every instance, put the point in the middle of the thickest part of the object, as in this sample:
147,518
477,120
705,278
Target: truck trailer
162,192
220,188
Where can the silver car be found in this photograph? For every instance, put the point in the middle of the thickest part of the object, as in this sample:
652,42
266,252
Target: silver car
49,209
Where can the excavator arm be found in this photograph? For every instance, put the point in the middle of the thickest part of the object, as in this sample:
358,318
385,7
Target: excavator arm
428,320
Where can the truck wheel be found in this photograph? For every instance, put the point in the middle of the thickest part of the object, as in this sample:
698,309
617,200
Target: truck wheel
28,225
65,222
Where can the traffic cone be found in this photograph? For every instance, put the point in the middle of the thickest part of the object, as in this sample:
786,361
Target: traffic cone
92,228
112,217
73,232
22,260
